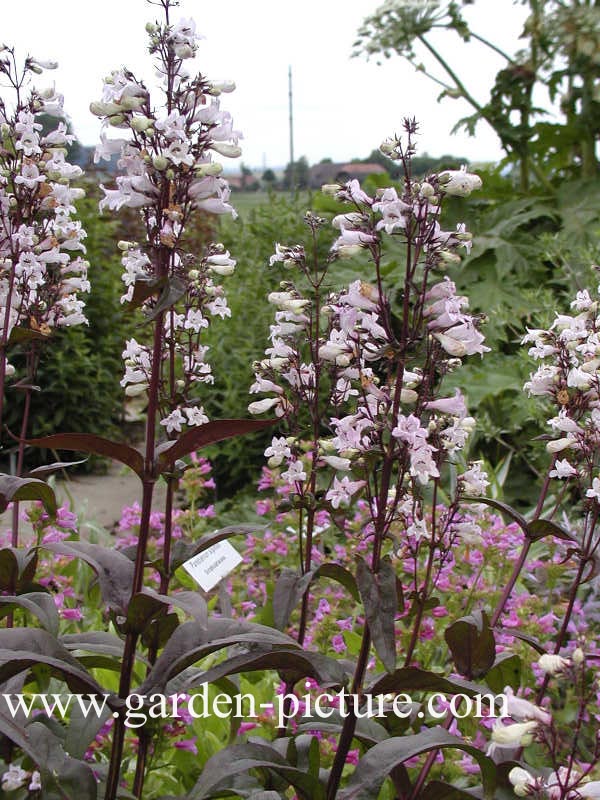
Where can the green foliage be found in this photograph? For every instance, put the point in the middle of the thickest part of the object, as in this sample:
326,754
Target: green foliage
527,255
241,340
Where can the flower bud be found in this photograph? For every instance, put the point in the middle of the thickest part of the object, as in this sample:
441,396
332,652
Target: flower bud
222,269
330,189
216,87
140,124
348,250
210,168
226,149
104,109
260,406
459,183
160,163
131,103
135,389
578,656
523,782
553,664
427,190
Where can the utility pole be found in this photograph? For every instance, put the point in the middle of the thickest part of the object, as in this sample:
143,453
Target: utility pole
291,118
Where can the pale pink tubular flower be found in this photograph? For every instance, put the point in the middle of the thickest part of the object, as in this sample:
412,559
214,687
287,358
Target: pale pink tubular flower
342,490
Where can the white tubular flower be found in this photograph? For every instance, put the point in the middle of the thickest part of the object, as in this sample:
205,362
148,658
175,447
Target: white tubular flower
522,710
459,183
523,782
520,734
260,406
553,664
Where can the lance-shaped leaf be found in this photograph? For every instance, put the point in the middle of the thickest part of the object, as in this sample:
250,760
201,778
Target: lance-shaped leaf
17,568
23,648
144,288
367,731
539,648
378,593
220,768
94,642
291,587
539,528
98,445
114,570
506,509
146,605
71,777
83,728
19,335
289,590
40,604
49,469
376,765
216,431
173,290
13,489
192,641
295,663
472,644
414,679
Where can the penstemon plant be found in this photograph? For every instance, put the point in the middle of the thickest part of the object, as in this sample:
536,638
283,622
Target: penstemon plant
43,272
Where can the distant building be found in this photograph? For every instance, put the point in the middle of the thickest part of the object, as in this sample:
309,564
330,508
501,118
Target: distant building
329,172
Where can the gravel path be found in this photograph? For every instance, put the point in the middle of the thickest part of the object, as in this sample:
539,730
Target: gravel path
98,499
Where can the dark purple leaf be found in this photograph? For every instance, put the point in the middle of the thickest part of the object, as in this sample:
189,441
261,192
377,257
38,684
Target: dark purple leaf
539,528
374,767
40,604
23,648
197,438
472,644
143,289
192,642
296,663
114,570
49,469
506,509
90,443
220,768
94,642
71,777
289,590
173,290
15,489
414,679
17,568
378,594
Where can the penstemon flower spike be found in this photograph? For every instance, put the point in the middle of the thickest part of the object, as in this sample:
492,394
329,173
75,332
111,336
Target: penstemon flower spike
42,269
169,175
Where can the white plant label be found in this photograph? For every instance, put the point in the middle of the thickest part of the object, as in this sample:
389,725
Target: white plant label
212,565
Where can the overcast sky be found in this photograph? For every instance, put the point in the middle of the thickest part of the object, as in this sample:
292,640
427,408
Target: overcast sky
343,107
